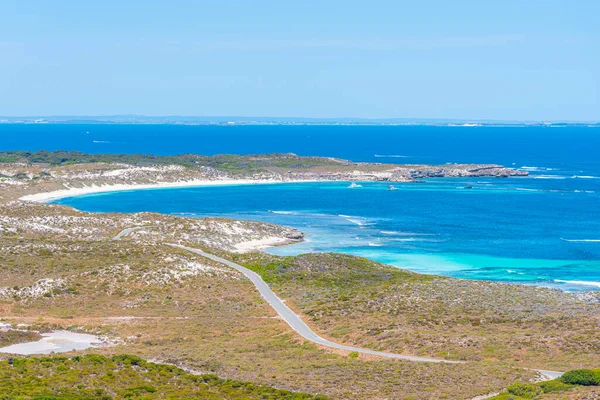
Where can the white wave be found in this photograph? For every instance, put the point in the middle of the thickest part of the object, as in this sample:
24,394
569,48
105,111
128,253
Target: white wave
527,190
101,141
549,177
355,221
360,221
300,213
530,168
186,214
510,271
398,233
583,283
372,244
390,156
581,240
419,239
585,177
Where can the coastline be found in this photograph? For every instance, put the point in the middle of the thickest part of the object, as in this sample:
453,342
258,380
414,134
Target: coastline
264,243
45,197
261,244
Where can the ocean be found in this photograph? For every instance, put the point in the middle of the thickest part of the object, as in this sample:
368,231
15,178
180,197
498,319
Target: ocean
543,229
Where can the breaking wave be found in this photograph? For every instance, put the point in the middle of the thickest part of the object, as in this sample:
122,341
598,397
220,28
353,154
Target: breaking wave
581,240
583,283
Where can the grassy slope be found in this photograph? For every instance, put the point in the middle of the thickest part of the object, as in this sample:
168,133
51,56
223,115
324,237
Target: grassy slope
94,377
364,303
213,322
577,384
13,336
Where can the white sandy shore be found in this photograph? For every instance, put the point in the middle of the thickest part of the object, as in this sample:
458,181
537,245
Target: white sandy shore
260,244
44,197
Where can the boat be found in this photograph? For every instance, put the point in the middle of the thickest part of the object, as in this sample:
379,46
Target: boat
354,185
392,187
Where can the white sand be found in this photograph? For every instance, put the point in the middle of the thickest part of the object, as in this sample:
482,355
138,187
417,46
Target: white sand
44,197
259,244
55,342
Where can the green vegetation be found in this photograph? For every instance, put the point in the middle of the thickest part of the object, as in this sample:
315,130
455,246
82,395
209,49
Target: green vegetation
571,381
584,377
9,337
8,158
146,296
331,270
526,390
224,162
95,377
364,303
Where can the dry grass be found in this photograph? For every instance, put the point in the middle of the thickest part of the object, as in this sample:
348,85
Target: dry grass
363,303
211,322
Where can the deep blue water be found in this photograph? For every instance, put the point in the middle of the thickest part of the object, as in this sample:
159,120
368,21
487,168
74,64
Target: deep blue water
572,146
544,229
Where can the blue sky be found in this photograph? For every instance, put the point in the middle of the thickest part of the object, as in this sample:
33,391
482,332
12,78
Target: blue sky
517,60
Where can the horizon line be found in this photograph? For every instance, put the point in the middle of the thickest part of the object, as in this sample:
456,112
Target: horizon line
232,118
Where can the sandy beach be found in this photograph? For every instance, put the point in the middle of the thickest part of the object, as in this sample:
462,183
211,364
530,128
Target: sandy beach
44,197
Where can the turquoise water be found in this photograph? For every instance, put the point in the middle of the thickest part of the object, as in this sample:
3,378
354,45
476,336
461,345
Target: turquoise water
517,230
544,229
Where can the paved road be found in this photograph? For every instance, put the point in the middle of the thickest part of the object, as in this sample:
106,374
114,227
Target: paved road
550,374
294,321
127,231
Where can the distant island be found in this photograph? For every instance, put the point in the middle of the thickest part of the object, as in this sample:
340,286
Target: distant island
241,120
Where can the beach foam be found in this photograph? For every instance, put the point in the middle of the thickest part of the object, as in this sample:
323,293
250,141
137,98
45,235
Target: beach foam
581,240
360,221
283,212
390,156
582,283
549,177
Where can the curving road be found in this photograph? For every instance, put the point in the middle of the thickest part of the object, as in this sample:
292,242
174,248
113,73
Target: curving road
294,320
296,323
127,231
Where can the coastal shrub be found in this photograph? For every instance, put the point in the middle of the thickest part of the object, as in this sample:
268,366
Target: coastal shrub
127,359
584,377
96,377
553,386
526,390
225,162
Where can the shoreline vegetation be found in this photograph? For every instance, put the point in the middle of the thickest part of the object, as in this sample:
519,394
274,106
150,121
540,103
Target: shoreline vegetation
43,176
61,269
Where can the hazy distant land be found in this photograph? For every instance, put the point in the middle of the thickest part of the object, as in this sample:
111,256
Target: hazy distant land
238,120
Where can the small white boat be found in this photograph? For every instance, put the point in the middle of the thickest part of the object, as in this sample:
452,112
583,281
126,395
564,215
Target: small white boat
354,185
392,187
